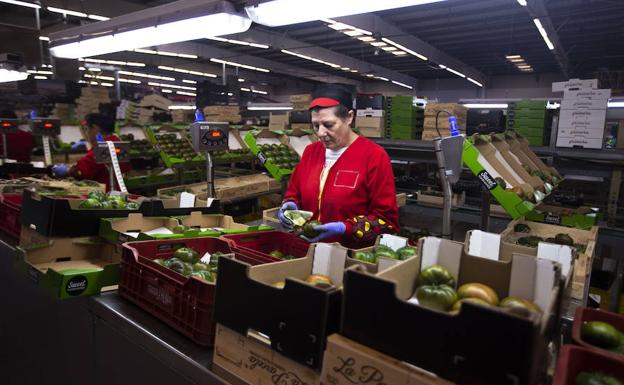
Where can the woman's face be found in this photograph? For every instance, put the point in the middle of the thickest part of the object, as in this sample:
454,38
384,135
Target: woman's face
91,132
334,132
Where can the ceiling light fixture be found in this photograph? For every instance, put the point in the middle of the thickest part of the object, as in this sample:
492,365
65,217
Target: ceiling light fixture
189,81
166,91
474,81
269,106
66,12
44,38
113,62
522,2
21,3
181,107
98,17
615,104
542,32
150,76
186,93
239,42
171,86
139,29
403,48
241,80
131,81
402,84
233,64
284,12
164,53
184,71
40,77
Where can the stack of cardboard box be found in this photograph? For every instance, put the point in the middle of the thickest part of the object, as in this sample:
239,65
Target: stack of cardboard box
90,100
278,121
229,114
432,109
301,102
128,111
150,105
65,112
403,119
182,116
370,123
583,113
528,118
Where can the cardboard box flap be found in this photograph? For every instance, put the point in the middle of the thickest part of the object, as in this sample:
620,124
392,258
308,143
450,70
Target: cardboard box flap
533,279
392,241
329,260
299,143
484,245
561,254
443,252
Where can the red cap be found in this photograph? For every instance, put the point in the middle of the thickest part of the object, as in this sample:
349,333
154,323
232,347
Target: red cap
324,102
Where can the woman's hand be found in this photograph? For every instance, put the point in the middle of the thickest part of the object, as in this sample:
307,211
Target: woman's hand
285,222
328,230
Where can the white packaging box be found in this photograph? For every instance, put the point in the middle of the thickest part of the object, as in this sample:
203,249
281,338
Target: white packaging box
603,94
587,132
371,113
575,84
583,104
587,118
580,141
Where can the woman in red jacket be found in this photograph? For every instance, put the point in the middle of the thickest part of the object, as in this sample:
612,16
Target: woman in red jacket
346,180
98,126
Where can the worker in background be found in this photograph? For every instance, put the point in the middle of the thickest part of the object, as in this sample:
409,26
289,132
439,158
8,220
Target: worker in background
346,180
98,127
19,144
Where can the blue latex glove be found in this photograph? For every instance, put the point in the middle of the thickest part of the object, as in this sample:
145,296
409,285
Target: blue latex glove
285,222
60,170
99,137
329,230
79,143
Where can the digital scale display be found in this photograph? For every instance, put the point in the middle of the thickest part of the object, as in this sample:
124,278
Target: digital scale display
8,125
45,126
209,137
102,153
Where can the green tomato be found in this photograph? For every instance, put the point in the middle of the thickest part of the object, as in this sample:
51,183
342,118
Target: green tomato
205,275
170,261
97,195
91,203
436,275
132,206
407,252
365,256
600,334
440,297
186,254
199,266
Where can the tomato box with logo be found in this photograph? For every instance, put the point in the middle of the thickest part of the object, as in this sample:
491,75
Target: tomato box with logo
478,345
70,267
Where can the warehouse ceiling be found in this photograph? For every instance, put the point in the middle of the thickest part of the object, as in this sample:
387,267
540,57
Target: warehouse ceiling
477,33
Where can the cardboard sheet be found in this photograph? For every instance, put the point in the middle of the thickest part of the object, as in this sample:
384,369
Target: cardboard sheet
70,134
299,143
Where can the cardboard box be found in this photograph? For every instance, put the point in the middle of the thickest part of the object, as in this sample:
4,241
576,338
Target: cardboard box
249,358
392,241
583,218
457,200
498,140
460,347
581,132
297,318
372,132
519,146
369,113
70,267
301,98
603,94
580,141
583,105
299,138
346,363
461,112
370,122
620,135
585,118
255,138
575,84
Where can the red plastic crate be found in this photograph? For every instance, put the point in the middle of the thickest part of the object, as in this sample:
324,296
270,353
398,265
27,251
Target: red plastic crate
585,315
575,359
10,211
260,244
184,303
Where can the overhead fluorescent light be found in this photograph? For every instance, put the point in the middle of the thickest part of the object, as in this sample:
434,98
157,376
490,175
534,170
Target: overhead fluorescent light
259,92
269,106
455,72
523,66
189,81
245,89
239,42
370,75
40,77
40,72
615,104
113,62
522,2
513,57
155,84
44,38
517,60
106,84
149,76
186,93
131,81
353,70
345,68
403,48
181,107
352,33
66,12
378,44
402,84
22,4
101,77
339,26
399,53
283,12
174,24
185,71
98,17
166,91
474,81
542,32
382,78
486,105
94,83
241,80
390,48
164,53
366,39
233,64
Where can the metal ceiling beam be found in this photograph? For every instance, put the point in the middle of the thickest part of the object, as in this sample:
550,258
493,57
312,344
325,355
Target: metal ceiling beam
376,24
537,9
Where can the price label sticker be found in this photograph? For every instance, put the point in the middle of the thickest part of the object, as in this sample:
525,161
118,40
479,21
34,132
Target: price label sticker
47,154
116,168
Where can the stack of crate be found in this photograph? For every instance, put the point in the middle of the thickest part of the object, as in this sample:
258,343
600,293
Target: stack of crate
403,119
229,114
90,100
528,118
431,111
65,112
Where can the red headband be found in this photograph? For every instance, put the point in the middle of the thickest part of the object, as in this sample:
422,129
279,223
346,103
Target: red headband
324,102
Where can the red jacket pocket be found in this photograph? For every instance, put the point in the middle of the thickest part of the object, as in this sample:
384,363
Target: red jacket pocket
346,179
